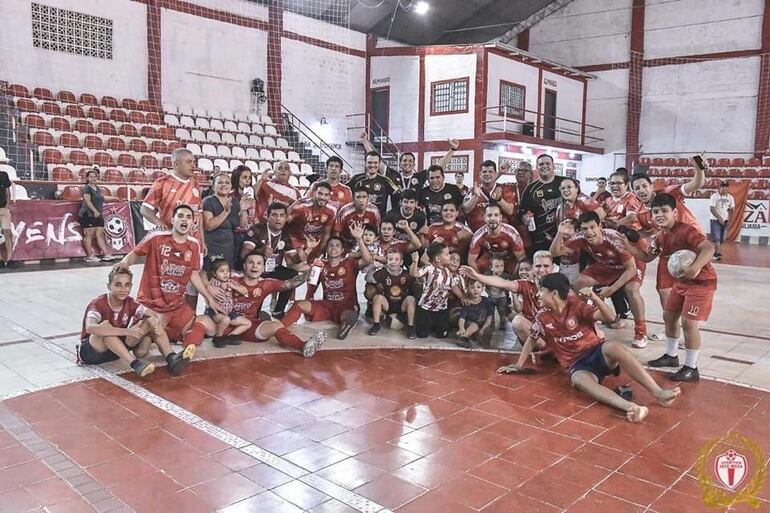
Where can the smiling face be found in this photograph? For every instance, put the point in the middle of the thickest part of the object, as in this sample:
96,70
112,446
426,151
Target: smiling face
322,195
449,213
664,216
394,261
492,217
569,190
488,175
245,180
523,173
541,267
334,248
643,190
618,186
92,177
183,221
282,171
547,298
254,266
372,165
436,179
454,262
545,168
525,271
387,231
407,164
222,185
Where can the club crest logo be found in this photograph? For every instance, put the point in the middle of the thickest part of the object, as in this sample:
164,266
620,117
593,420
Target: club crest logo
377,186
341,271
256,292
731,468
324,218
447,196
571,323
187,256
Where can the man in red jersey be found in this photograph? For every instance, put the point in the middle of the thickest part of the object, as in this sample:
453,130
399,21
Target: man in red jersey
276,189
622,207
312,218
338,279
173,260
489,192
613,267
573,203
455,236
495,239
360,210
250,307
693,291
340,193
566,326
115,326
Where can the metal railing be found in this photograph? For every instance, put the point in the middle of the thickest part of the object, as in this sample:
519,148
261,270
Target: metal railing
503,119
379,138
309,137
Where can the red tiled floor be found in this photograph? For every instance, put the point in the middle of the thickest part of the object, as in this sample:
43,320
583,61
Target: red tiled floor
515,501
634,490
226,490
18,499
300,494
351,473
265,476
426,473
596,501
503,473
390,491
23,474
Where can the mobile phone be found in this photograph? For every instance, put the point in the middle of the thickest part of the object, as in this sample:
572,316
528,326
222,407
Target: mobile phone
699,162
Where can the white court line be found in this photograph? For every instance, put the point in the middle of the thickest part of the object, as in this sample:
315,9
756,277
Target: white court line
350,498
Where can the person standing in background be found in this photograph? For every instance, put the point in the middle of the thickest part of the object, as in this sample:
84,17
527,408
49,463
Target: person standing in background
6,198
601,193
222,215
92,221
721,208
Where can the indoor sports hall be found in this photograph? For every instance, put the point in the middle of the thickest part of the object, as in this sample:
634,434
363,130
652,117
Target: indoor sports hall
338,256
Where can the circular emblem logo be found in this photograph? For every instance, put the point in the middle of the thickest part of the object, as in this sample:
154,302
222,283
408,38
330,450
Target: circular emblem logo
414,181
324,218
377,187
281,244
447,196
341,271
256,292
187,256
114,226
504,244
413,225
454,240
571,323
395,291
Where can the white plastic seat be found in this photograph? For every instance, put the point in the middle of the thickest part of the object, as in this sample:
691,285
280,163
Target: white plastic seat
171,120
230,126
224,151
252,165
294,168
252,118
193,147
294,180
265,166
306,169
197,135
242,139
185,110
209,149
201,112
12,175
265,154
239,152
269,142
222,164
19,192
303,181
252,153
205,164
240,116
226,114
279,155
255,140
182,133
267,120
187,121
282,143
270,130
216,124
228,138
244,127
294,156
257,129
235,163
213,137
202,123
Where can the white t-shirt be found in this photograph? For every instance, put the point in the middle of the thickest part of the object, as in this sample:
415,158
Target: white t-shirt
722,203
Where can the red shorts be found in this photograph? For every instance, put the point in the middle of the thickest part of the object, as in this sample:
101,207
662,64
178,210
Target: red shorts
510,263
605,276
663,279
691,302
324,310
250,335
177,320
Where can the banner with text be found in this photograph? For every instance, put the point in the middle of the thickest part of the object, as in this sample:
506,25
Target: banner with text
755,219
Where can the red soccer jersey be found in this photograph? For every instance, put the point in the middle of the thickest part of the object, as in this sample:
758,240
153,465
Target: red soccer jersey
275,191
339,281
528,290
684,215
508,194
618,208
168,191
684,236
348,214
564,211
250,305
394,245
341,194
167,270
610,252
504,244
310,220
450,236
99,310
569,333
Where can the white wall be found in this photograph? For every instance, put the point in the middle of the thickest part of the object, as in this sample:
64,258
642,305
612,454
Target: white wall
324,31
501,68
21,63
445,67
569,104
240,7
401,74
606,108
208,63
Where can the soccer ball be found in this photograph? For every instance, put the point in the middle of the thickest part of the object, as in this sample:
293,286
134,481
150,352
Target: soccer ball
395,322
679,260
115,226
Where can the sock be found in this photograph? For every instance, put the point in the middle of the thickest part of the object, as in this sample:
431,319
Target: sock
292,316
288,339
134,363
691,358
640,328
672,346
195,336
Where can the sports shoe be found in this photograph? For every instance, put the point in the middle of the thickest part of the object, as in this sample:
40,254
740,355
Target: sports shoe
485,339
664,361
178,361
264,316
110,258
314,344
639,342
92,259
375,329
464,342
686,374
411,333
219,342
349,321
232,340
142,368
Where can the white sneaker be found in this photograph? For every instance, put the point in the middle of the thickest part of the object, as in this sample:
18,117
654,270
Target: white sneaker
639,343
314,344
110,258
92,259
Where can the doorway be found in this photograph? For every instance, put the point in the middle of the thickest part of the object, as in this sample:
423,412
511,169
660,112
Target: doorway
380,111
549,115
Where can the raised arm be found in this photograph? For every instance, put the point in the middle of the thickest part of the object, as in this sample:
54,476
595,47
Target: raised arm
603,313
453,145
696,182
490,281
565,231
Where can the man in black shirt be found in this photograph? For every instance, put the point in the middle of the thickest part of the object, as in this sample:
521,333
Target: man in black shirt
408,212
380,188
6,197
438,192
540,199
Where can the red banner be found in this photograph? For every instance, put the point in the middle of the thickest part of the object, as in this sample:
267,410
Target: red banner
51,229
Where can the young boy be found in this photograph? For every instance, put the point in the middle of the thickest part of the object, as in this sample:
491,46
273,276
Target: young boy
499,297
432,315
476,317
115,326
454,302
395,293
693,291
565,325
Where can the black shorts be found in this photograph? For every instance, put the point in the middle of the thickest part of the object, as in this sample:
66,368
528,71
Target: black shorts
88,355
211,313
426,322
593,361
92,222
394,306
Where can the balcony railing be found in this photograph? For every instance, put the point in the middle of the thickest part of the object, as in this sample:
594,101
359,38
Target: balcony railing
540,126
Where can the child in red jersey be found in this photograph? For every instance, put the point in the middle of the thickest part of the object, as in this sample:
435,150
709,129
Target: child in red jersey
565,325
693,291
222,285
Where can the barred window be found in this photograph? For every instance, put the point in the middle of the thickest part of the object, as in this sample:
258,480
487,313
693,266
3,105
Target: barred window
512,99
73,32
449,96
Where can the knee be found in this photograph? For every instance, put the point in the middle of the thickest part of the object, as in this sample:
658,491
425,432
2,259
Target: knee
141,350
409,301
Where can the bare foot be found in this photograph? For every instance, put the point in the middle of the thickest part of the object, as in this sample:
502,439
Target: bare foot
637,413
668,396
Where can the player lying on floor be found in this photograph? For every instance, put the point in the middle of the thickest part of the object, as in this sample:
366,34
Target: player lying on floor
566,326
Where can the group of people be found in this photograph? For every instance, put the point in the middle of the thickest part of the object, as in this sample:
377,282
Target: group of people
438,260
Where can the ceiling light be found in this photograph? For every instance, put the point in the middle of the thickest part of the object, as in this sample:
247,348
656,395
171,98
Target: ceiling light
421,7
323,121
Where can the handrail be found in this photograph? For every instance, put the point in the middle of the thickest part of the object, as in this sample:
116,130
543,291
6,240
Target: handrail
323,146
383,135
538,120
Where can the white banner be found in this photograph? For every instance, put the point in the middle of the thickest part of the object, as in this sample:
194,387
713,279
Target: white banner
755,219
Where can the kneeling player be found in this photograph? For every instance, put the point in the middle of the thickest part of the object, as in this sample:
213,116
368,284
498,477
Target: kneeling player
565,324
395,294
115,327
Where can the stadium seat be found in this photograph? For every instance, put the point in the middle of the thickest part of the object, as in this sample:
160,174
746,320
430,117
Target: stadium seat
137,176
252,153
66,96
182,133
230,126
239,152
216,124
683,162
69,140
764,172
75,111
213,137
51,108
723,163
41,93
282,143
119,115
265,166
185,110
129,104
126,160
172,145
266,120
244,127
228,138
657,161
97,113
269,142
79,157
43,138
202,123
93,142
34,121
201,112
72,193
104,127
306,169
88,99
226,114
149,162
205,164
758,195
270,130
19,91
750,173
126,192
148,132
137,145
113,175
294,156
153,118
255,140
154,175
209,150
197,135
26,105
252,165
167,163
242,139
239,116
159,147
58,123
222,164
147,105
279,155
62,174
265,154
257,129
128,130
166,132
234,163
102,158
754,162
135,116
252,118
224,151
193,147
111,102
294,168
186,121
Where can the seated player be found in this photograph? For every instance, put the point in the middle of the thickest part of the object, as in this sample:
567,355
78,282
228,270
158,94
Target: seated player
476,316
394,295
222,286
613,267
495,239
338,278
432,315
499,296
115,326
692,292
565,325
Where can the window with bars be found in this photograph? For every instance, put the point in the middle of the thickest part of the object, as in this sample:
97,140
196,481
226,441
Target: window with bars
449,96
72,32
512,98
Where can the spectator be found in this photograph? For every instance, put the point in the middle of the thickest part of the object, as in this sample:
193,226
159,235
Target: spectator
721,207
242,182
6,198
91,219
601,193
222,214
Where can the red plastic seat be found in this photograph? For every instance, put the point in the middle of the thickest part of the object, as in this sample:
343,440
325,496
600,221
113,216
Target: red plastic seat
126,160
52,156
26,105
159,147
61,124
143,193
43,138
156,174
153,118
167,162
146,105
102,158
113,176
69,140
149,161
107,128
738,162
51,108
93,142
82,173
128,130
670,161
75,111
137,176
166,132
88,99
116,143
97,113
657,161
644,161
750,173
149,132
66,96
109,101
138,146
80,158
19,90
723,163
711,162
129,104
757,195
105,191
174,145
682,162
72,193
62,174
136,117
764,172
34,121
754,162
119,115
126,192
41,93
